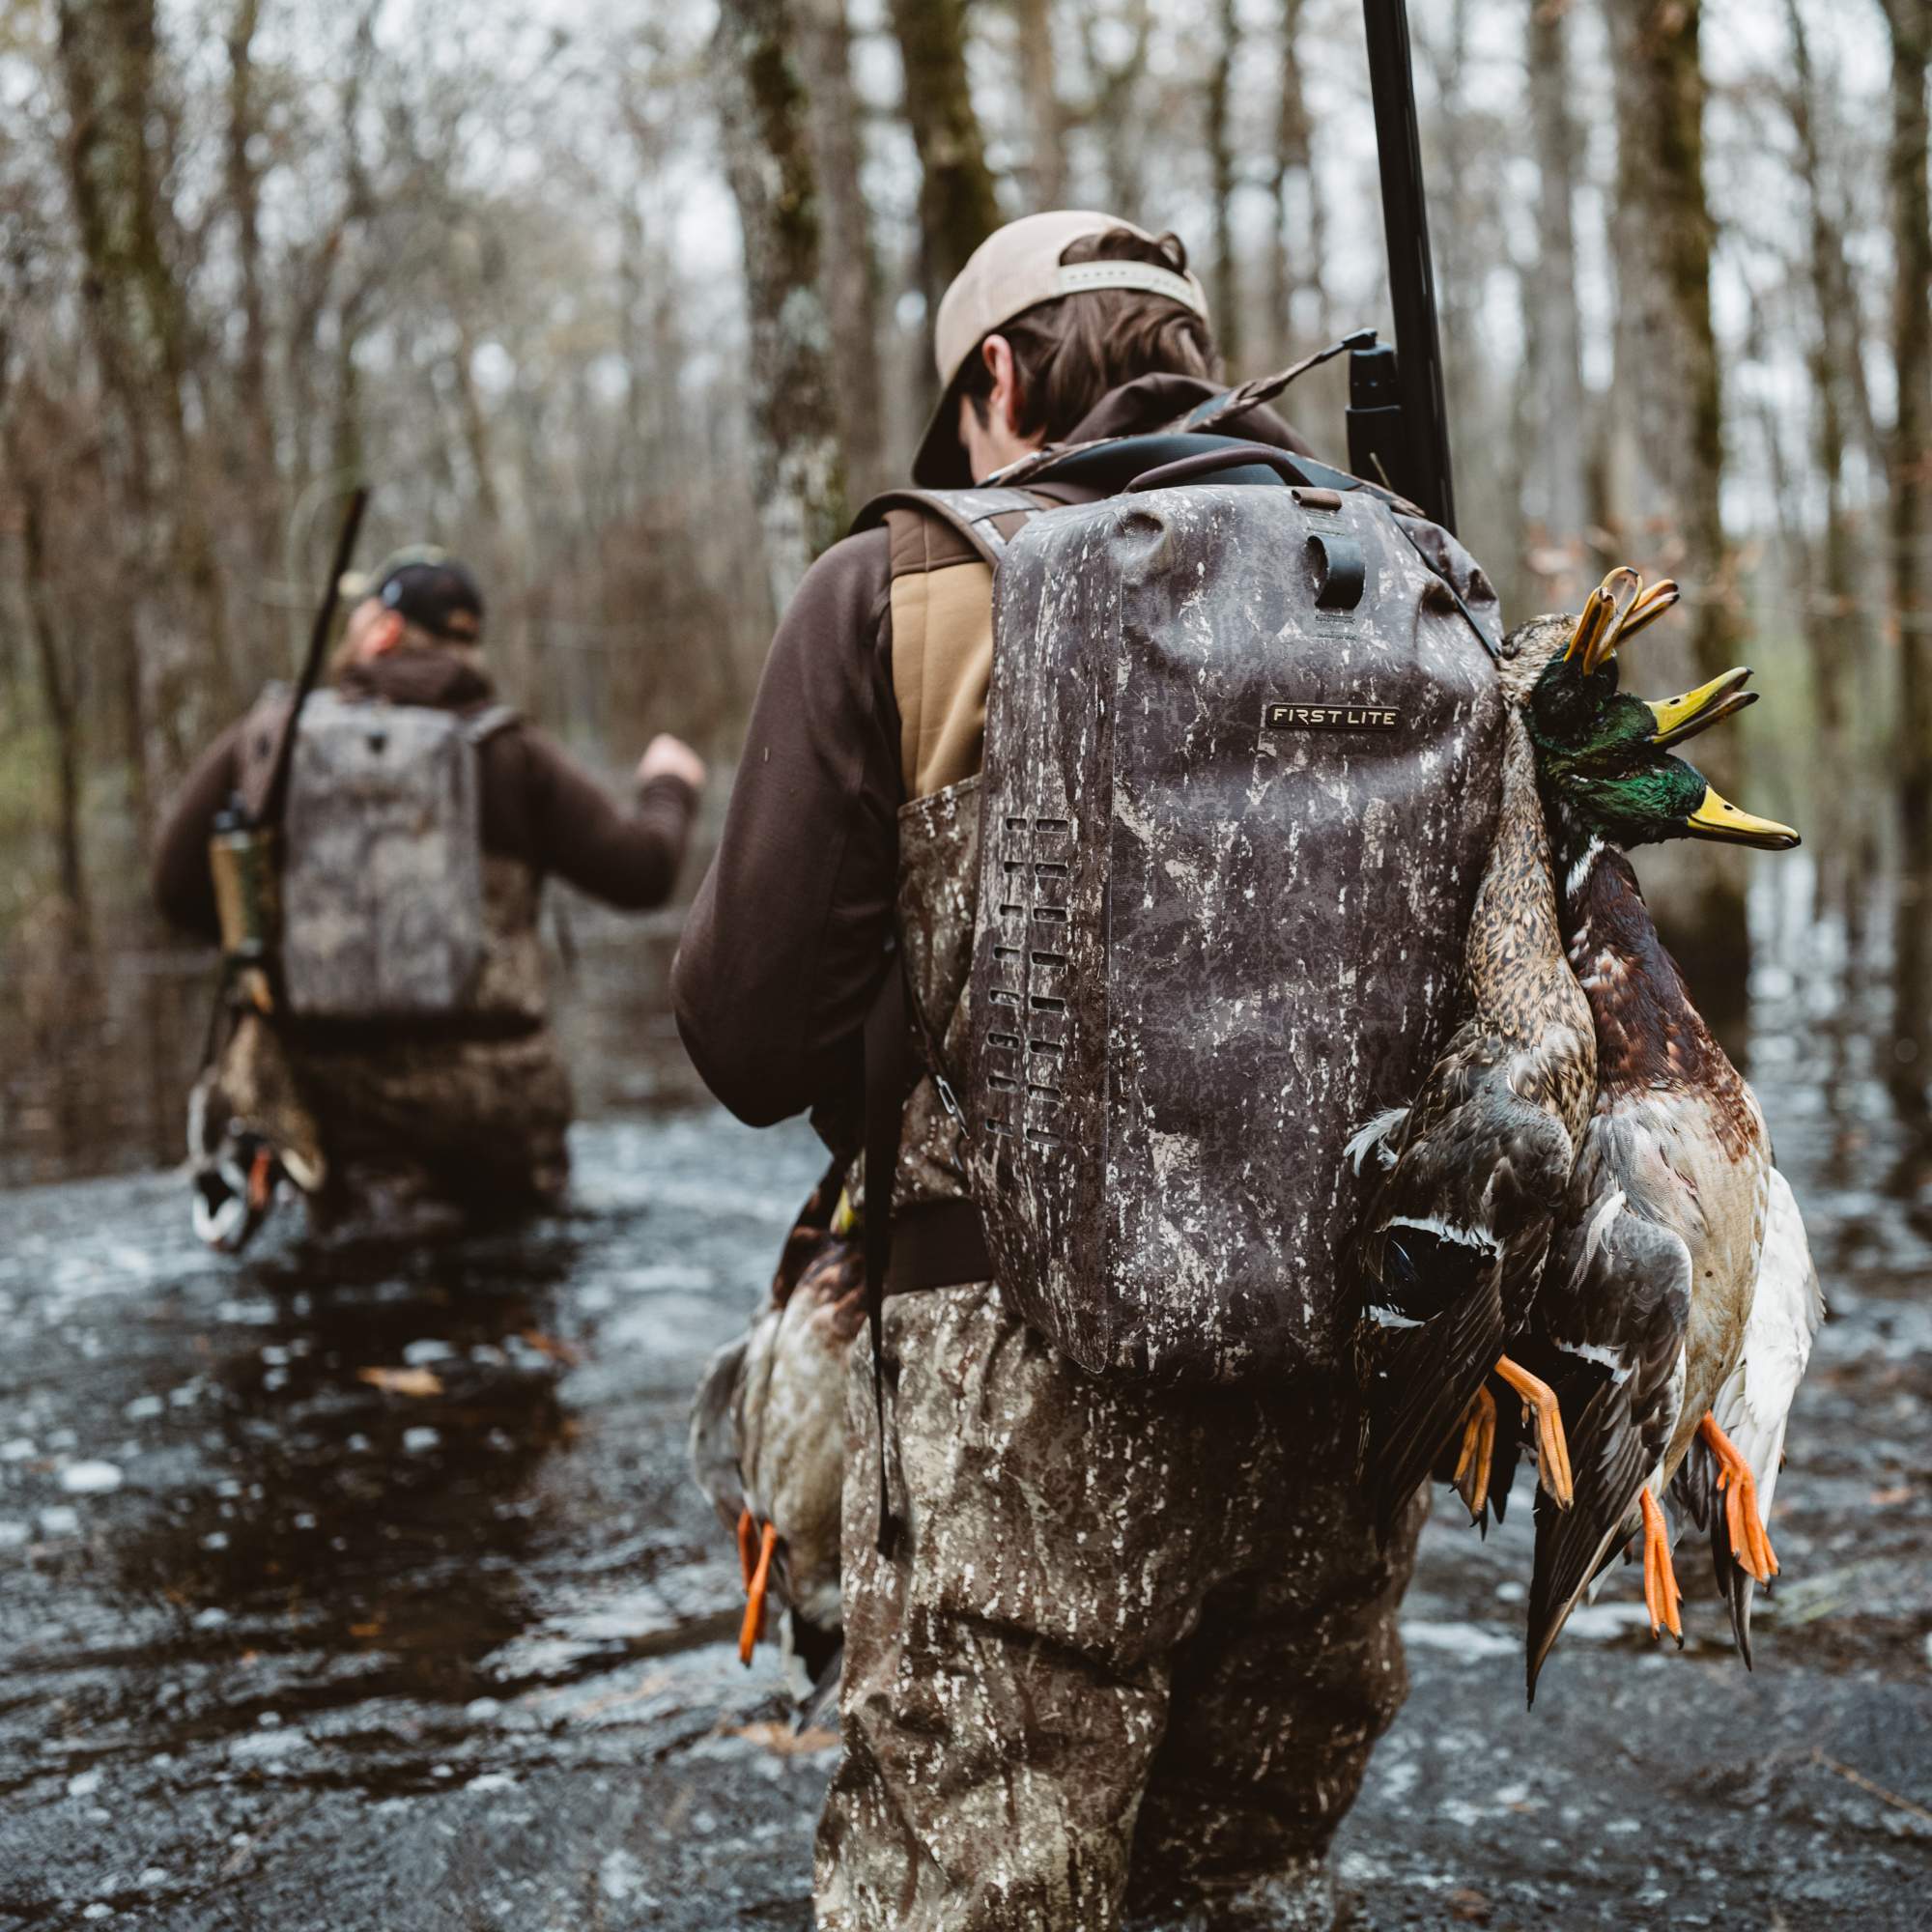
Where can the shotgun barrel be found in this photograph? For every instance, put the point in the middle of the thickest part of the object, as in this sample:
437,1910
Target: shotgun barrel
276,798
1412,278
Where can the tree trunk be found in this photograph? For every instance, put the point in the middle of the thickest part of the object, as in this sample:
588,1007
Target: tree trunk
254,460
798,479
1294,158
1560,456
957,209
1114,109
1911,24
1221,157
1672,430
1911,453
1833,628
1046,117
847,274
58,698
180,679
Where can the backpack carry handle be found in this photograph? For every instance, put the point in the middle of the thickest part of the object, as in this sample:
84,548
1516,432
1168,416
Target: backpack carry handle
1237,456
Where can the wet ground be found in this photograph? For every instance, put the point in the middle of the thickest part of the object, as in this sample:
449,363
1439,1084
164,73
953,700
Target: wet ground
362,1584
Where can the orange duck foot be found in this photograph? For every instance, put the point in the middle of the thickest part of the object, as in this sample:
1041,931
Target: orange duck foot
1660,1594
747,1546
754,1607
1479,1447
1552,1451
1750,1545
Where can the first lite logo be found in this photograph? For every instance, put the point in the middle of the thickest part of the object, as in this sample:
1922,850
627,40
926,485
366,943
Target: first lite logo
1320,717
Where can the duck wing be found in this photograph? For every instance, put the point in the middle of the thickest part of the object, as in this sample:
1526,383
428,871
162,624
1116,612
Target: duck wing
1608,1330
1444,1264
1754,1403
714,1444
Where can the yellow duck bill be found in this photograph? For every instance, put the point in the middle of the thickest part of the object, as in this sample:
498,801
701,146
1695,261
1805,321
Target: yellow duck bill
1685,715
1719,819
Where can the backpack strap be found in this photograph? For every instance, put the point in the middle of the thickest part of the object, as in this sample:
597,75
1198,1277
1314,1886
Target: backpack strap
480,727
988,519
884,1113
946,546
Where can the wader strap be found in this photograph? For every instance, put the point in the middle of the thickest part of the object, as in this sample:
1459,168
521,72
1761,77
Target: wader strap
884,1109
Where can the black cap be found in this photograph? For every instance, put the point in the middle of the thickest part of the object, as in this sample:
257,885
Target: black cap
429,589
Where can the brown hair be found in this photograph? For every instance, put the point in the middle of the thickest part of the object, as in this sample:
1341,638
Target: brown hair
1068,352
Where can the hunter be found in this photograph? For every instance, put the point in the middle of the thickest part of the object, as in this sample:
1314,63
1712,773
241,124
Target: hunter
1194,1646
472,1102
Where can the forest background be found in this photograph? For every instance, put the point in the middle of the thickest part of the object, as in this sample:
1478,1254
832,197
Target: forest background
631,306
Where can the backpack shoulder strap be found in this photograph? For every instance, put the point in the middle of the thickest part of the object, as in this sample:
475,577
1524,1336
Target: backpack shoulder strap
988,519
946,545
480,727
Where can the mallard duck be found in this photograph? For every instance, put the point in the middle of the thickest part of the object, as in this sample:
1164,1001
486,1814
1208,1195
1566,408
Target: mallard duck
1643,1309
768,1441
1443,1265
1752,1407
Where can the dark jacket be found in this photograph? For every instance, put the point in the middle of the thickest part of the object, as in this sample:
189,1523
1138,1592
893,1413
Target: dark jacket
785,939
539,805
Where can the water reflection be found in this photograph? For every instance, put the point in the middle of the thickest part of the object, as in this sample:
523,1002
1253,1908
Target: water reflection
377,1413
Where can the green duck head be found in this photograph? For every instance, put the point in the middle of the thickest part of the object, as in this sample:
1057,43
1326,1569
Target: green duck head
1578,716
1604,757
1655,798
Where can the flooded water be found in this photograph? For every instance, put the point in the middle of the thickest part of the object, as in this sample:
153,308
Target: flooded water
361,1583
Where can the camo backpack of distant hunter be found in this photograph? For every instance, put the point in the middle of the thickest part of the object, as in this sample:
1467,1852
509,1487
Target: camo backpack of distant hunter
382,881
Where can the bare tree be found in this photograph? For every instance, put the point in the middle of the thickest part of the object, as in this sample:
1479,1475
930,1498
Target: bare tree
1045,113
1113,110
799,479
1909,22
174,654
1294,160
55,661
847,270
1223,166
1670,418
252,453
957,208
1560,451
1833,626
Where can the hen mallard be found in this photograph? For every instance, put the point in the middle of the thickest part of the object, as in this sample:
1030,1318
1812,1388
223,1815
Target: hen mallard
1443,1265
768,1441
1751,1410
1641,1317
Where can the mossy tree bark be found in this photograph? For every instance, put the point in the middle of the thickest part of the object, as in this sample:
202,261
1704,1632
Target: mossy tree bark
957,208
848,275
797,472
174,670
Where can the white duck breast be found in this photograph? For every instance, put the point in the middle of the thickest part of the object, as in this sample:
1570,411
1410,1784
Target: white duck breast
1754,1404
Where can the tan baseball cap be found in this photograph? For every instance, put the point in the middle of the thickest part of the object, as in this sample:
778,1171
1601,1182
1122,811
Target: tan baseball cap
1017,267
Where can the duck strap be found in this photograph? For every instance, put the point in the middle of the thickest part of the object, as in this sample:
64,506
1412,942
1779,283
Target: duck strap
884,1110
